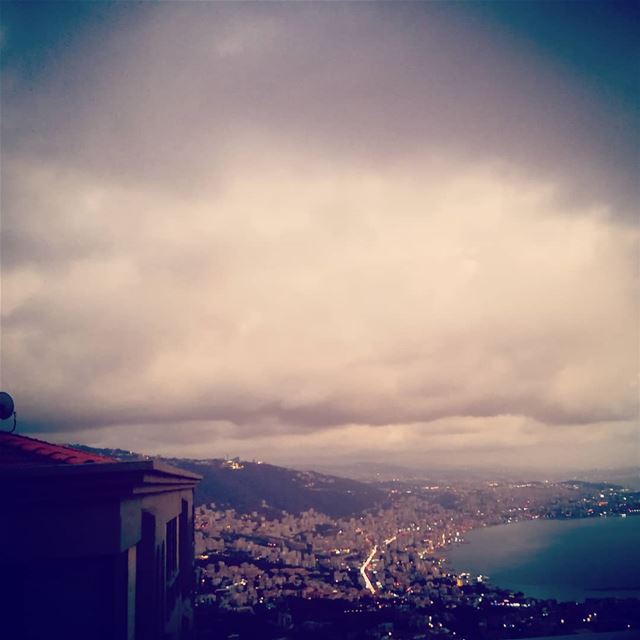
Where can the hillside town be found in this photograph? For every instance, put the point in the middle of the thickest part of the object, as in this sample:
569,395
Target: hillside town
387,566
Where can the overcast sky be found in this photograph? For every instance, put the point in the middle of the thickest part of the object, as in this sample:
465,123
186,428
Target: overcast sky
324,231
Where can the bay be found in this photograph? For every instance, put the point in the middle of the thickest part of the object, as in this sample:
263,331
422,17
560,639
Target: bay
568,560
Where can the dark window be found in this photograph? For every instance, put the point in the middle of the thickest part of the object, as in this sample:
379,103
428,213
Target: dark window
146,578
172,548
171,566
185,554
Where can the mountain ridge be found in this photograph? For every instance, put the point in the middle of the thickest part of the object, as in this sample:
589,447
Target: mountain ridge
266,488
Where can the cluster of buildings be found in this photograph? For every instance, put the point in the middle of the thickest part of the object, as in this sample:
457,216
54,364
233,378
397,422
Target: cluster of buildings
389,560
391,551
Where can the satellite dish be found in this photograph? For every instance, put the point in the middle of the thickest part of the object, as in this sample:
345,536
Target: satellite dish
6,406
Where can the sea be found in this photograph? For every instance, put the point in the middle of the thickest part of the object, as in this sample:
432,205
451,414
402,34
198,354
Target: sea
565,560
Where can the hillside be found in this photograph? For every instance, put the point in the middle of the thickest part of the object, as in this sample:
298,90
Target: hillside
254,486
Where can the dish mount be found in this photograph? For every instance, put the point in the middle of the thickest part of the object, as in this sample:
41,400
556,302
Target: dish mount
7,409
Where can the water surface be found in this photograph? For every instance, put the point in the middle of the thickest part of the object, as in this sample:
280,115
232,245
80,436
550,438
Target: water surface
561,559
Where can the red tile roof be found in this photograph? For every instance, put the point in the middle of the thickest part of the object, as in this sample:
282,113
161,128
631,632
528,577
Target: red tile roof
16,450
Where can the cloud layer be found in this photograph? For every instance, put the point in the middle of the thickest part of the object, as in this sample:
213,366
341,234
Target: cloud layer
224,229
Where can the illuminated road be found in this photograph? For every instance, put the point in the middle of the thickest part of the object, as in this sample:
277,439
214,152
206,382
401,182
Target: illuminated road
367,562
363,569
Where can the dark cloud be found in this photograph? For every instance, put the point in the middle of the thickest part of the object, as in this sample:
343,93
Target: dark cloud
162,101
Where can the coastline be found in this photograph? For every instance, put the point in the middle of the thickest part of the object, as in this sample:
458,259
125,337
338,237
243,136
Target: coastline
525,555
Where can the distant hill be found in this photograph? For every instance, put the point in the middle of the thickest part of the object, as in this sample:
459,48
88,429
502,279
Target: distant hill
120,454
627,477
254,486
591,486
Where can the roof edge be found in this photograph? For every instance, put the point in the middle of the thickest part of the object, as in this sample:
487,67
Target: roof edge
153,467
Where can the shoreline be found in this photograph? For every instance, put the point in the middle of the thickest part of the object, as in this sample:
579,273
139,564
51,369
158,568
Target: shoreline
455,568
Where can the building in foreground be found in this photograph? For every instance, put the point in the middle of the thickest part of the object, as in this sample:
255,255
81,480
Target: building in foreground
91,547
